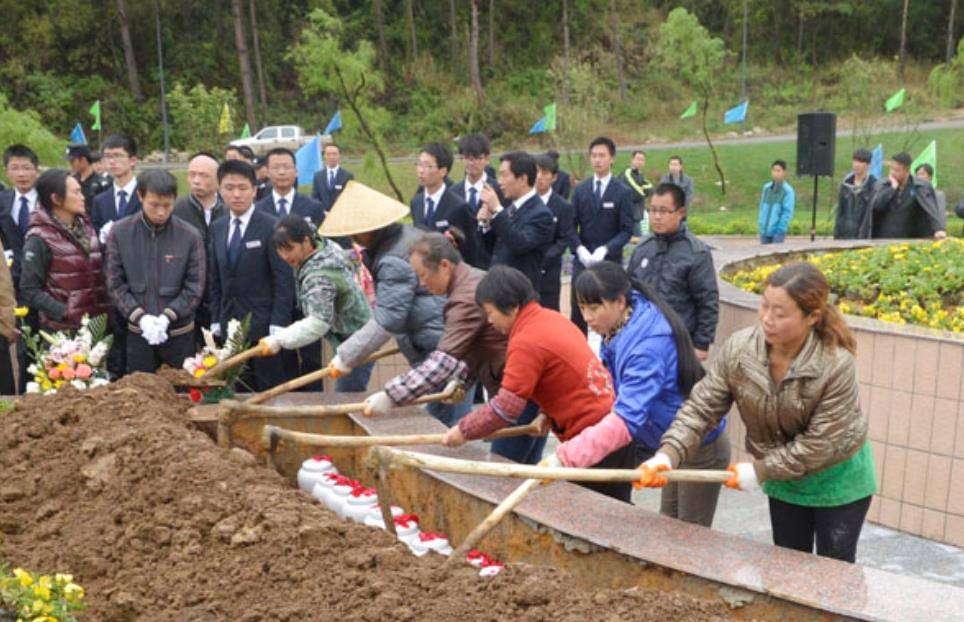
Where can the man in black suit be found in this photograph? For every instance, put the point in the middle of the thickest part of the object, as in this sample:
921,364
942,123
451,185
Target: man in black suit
474,150
17,204
331,180
247,275
120,200
519,233
563,184
603,216
200,208
435,207
285,200
564,233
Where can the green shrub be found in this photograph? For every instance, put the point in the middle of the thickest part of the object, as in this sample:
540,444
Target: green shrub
195,116
25,127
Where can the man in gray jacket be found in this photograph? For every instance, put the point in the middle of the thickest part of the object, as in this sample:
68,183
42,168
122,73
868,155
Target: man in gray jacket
404,310
679,266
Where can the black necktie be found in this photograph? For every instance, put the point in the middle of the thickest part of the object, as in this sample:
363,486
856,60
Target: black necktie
429,212
474,199
23,217
234,246
598,191
331,180
282,207
121,204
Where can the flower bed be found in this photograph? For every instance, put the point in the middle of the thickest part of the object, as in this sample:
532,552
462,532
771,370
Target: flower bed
919,284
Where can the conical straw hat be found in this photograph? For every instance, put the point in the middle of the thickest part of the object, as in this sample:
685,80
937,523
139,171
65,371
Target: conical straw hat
360,209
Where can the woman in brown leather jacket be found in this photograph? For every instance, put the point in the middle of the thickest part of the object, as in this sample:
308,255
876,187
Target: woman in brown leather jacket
793,379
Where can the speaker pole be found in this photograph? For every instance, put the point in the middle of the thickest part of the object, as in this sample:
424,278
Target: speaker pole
813,222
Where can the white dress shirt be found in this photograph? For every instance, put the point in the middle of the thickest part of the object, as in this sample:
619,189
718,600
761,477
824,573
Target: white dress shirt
245,219
289,201
605,183
130,189
31,196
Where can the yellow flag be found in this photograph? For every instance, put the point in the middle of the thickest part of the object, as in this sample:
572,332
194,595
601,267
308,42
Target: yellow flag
224,125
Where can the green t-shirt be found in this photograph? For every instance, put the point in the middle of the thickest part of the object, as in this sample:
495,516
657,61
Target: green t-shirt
849,481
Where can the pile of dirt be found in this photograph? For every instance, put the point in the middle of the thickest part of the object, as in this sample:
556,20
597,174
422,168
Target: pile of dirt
157,523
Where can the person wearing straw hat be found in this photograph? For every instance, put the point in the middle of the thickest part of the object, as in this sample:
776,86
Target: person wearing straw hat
403,310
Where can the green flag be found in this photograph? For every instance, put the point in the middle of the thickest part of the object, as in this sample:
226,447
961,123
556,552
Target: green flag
246,132
927,156
95,110
689,112
550,112
896,101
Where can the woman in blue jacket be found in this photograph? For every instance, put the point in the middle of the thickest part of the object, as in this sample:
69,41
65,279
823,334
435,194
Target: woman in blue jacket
648,352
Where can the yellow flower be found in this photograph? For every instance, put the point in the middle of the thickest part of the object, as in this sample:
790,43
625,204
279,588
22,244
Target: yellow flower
199,372
41,591
23,576
73,592
63,579
210,361
21,311
61,366
79,358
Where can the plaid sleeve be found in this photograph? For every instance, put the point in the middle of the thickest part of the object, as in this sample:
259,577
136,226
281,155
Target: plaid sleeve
502,410
431,374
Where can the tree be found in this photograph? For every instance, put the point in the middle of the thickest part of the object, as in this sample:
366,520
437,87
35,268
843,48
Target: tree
688,51
949,53
903,39
132,78
475,73
244,61
565,51
257,62
617,49
491,34
453,37
380,28
326,65
410,22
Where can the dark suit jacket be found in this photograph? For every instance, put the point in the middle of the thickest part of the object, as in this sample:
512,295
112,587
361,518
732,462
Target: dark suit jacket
607,223
474,250
521,241
564,235
303,206
104,209
10,234
562,185
190,211
260,284
320,192
451,211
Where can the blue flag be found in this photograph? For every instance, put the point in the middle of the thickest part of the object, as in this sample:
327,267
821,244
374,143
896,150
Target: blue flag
335,124
877,161
77,136
308,160
736,114
539,127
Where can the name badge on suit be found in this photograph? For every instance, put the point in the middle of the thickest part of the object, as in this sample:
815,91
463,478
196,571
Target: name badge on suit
253,244
608,205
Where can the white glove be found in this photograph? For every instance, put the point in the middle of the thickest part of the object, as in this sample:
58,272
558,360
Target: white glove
274,330
599,254
216,329
105,231
378,404
146,324
650,471
337,363
161,322
744,477
270,346
552,461
585,257
659,459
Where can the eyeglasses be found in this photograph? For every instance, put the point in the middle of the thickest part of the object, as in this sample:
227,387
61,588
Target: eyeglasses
116,156
660,212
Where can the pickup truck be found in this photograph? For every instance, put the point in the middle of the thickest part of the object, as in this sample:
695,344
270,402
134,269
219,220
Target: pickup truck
273,136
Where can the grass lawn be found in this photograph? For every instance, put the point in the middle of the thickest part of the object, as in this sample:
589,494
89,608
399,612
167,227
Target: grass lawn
747,168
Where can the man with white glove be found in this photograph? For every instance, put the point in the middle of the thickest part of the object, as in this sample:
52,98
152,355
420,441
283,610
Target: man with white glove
105,232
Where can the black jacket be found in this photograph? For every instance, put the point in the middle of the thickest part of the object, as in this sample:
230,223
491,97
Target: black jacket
563,185
473,249
10,235
104,209
153,270
563,236
303,206
908,213
190,211
320,191
91,187
680,267
521,240
606,223
853,209
260,284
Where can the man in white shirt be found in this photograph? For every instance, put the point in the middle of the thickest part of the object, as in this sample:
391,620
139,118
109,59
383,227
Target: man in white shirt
17,203
120,200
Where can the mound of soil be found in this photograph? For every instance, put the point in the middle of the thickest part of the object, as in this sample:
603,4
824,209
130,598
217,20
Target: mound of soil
157,523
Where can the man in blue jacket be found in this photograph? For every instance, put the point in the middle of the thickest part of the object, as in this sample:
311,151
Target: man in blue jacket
776,205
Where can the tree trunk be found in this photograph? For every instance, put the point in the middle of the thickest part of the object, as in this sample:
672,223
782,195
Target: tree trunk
716,159
617,50
949,54
491,34
380,27
565,51
257,64
245,62
474,72
903,40
800,34
410,24
133,80
454,38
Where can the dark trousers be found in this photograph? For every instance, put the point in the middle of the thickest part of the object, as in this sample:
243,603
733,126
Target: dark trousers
263,373
836,529
7,384
23,358
117,355
142,356
522,449
624,458
574,313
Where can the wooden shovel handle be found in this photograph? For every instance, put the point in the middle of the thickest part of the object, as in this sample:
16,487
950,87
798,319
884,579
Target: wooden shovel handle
234,361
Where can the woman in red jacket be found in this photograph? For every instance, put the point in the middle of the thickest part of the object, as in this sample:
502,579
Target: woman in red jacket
549,362
61,274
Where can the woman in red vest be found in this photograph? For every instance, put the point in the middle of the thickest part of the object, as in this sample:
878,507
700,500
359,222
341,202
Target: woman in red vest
61,275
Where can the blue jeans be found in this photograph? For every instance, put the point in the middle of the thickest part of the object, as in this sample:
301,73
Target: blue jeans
356,381
450,414
776,238
522,449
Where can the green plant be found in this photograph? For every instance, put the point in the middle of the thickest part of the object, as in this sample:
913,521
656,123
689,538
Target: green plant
946,81
40,598
195,114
